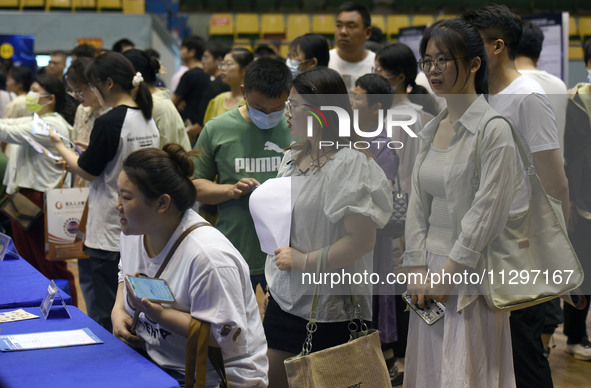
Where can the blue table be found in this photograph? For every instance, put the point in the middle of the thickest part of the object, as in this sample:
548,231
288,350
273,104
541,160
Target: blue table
112,364
21,285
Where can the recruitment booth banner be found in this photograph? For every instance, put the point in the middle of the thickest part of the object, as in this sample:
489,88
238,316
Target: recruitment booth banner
64,208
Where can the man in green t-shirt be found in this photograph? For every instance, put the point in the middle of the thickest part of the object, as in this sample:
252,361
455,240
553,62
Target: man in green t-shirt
243,148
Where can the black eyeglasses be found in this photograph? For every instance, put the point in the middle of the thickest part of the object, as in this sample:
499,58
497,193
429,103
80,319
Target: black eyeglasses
440,64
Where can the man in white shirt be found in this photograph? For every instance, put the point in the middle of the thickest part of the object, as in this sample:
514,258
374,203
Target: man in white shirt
523,102
526,61
350,57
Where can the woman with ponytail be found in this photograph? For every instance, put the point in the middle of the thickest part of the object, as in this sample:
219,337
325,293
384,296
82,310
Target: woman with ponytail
33,173
127,127
207,276
167,117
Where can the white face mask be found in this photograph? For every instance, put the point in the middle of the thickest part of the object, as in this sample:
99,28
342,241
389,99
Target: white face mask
293,65
589,75
265,120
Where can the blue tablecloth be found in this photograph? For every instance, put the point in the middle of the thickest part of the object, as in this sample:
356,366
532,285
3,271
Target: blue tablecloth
112,364
21,285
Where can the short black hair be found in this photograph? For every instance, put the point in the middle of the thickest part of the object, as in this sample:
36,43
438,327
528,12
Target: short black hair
217,48
359,8
587,50
313,46
263,50
268,76
531,41
118,46
497,22
84,50
377,35
21,75
378,90
59,53
196,43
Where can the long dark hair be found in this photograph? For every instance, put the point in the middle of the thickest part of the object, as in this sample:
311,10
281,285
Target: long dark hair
313,46
64,104
163,171
397,58
323,86
142,62
462,41
115,66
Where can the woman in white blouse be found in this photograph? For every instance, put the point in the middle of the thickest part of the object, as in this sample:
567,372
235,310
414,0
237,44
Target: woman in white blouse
448,224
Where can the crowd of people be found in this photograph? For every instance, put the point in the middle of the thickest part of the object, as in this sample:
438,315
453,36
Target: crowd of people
160,162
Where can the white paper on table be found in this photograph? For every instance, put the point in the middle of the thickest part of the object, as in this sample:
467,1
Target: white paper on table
49,339
270,206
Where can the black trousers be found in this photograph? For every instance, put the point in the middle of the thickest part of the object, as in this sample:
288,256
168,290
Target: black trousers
531,367
104,275
575,327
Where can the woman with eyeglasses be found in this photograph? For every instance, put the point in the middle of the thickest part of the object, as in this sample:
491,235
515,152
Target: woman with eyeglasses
127,127
307,52
32,173
89,108
449,221
343,197
233,69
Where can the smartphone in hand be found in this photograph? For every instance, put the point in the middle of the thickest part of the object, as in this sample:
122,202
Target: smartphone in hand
431,313
155,290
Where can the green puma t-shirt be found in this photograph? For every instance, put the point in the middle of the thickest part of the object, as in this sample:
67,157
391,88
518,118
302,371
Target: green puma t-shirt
234,148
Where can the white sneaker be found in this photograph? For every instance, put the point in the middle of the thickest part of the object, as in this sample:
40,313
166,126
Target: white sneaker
581,351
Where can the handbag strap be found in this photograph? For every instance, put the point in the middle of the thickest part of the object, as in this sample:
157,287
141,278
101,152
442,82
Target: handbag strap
529,167
351,302
136,315
176,245
320,268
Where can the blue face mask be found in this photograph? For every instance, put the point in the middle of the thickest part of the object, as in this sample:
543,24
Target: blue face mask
293,66
265,120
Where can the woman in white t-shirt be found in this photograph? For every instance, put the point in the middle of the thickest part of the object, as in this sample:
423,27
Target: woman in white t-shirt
206,274
127,127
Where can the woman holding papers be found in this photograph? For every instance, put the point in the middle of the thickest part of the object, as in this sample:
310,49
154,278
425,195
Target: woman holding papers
127,127
206,274
32,172
343,197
